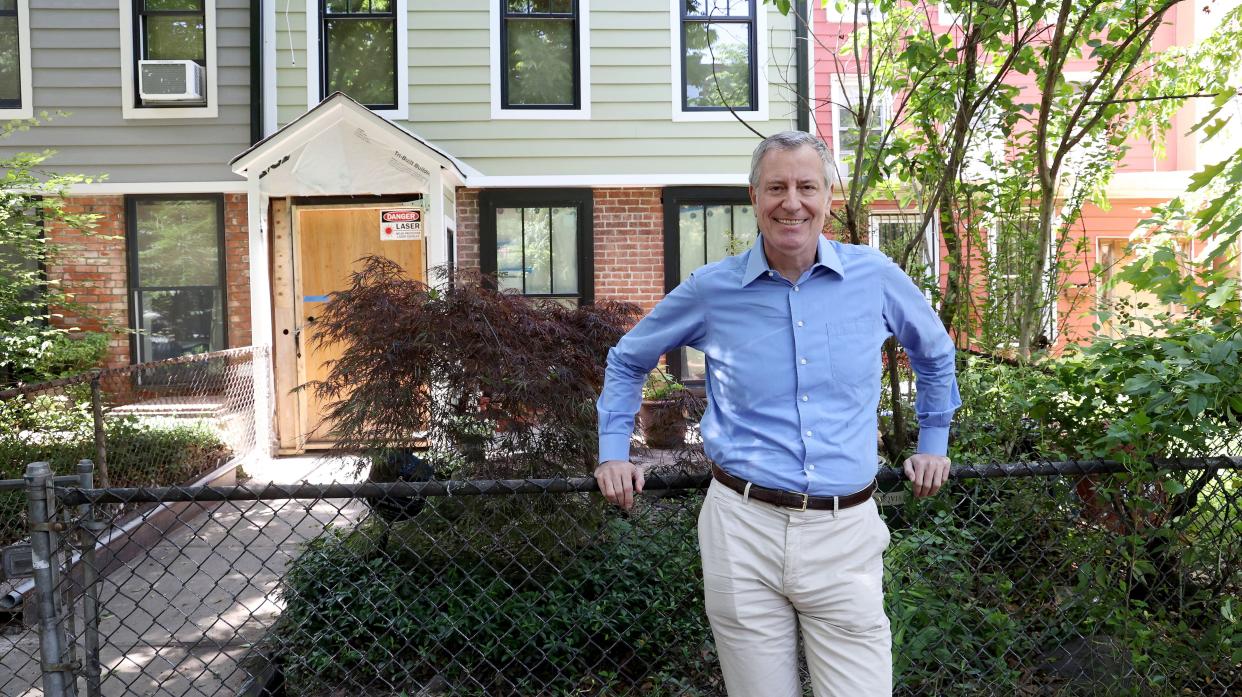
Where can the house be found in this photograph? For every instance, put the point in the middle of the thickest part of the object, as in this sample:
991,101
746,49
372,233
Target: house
254,151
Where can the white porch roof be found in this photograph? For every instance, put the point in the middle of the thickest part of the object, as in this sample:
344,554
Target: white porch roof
341,148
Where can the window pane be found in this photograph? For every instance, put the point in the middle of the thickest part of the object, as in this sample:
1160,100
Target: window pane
381,6
8,5
191,5
10,69
565,250
719,231
537,230
360,59
718,8
178,243
691,231
540,61
177,322
744,227
509,248
717,64
176,37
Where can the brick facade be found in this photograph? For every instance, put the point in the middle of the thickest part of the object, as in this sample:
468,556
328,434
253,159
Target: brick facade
629,245
93,268
237,269
629,242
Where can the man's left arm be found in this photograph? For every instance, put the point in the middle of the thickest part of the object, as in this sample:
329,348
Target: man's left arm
931,351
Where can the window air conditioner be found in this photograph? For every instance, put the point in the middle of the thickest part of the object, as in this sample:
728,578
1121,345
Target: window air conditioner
165,81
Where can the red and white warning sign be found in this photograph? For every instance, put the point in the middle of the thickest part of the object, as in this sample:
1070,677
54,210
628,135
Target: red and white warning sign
401,224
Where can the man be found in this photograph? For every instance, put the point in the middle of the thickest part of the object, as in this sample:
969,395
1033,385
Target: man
789,534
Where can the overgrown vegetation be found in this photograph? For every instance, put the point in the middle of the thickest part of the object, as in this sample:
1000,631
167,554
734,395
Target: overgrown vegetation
35,344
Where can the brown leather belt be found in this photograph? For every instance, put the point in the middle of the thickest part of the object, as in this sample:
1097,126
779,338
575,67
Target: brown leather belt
789,499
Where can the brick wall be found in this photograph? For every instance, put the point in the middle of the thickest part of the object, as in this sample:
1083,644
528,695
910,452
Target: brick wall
237,269
629,245
468,229
92,269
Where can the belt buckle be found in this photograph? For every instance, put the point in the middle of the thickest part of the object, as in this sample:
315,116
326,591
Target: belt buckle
805,499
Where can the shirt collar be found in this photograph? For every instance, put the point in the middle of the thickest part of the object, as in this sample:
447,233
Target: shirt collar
757,263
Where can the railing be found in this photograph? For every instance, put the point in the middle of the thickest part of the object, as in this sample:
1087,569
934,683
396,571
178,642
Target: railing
1083,578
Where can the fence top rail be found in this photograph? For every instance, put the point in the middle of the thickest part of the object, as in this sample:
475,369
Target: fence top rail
500,487
82,378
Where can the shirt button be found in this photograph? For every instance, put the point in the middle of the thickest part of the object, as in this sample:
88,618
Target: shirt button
799,323
809,434
802,361
771,274
810,467
795,289
806,397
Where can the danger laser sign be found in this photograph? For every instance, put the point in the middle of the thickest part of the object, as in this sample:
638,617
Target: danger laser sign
401,224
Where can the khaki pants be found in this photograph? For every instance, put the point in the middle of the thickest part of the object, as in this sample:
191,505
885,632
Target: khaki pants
769,570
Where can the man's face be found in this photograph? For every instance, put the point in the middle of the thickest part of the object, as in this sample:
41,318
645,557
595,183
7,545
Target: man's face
791,200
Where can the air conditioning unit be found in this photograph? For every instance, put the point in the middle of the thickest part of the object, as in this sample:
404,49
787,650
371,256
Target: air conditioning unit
168,81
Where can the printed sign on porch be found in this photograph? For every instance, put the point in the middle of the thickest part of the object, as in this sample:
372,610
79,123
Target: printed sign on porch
401,224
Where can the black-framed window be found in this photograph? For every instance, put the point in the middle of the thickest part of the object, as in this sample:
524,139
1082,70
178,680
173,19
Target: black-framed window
539,49
539,242
169,30
176,275
718,55
10,56
358,50
702,225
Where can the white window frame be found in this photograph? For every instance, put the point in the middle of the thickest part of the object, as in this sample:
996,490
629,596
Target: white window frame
129,90
24,75
845,15
402,112
1051,316
931,238
583,112
840,100
760,112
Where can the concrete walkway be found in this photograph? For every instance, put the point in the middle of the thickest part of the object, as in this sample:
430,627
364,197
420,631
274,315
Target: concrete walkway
179,617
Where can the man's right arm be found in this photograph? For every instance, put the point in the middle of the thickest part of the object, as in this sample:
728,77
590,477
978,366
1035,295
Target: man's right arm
676,321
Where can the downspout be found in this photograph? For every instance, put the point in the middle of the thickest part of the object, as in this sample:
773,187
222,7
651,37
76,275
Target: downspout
256,71
802,60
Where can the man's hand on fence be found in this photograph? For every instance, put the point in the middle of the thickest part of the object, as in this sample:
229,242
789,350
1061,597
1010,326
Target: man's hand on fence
927,472
618,481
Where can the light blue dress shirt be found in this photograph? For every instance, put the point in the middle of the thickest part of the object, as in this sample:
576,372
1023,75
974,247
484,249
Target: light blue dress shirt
793,369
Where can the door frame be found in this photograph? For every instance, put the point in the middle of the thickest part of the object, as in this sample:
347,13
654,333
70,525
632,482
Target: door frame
289,356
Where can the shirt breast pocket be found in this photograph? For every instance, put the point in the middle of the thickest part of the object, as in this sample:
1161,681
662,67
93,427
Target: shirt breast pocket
854,351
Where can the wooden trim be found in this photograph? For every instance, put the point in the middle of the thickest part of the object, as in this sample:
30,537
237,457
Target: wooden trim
289,406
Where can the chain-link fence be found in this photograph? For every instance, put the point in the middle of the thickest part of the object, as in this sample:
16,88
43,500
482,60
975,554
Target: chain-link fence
1067,578
153,424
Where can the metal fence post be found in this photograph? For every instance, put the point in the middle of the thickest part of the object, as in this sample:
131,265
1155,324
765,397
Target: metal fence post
58,679
101,441
88,536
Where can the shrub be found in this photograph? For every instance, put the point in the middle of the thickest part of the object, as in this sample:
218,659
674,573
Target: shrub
624,611
496,384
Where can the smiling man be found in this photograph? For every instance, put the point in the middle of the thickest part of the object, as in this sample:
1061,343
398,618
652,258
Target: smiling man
789,533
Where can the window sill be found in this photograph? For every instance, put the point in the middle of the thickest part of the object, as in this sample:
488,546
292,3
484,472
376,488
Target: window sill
160,112
541,114
753,116
18,113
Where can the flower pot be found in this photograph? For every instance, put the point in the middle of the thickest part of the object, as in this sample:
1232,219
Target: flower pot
663,423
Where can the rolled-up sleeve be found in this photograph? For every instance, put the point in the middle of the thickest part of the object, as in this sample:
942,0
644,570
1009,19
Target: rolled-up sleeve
930,349
676,321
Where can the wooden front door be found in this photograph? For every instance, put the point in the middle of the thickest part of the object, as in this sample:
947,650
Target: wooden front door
328,244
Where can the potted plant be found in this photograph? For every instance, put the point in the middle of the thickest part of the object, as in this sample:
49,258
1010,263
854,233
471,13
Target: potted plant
662,416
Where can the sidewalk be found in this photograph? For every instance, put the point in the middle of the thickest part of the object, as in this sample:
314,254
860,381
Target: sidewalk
179,617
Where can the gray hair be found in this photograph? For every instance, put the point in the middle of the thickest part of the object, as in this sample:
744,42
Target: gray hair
792,140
